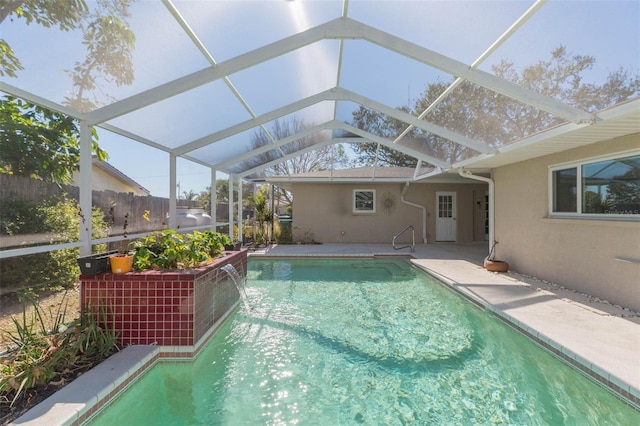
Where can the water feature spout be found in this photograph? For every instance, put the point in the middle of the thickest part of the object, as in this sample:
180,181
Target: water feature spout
239,282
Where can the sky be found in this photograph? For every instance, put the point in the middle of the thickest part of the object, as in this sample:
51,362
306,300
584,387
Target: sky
608,30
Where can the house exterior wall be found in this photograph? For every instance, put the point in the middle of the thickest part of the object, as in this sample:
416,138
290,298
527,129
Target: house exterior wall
576,253
103,181
322,212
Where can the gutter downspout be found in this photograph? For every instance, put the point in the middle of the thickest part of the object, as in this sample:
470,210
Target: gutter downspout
467,174
424,211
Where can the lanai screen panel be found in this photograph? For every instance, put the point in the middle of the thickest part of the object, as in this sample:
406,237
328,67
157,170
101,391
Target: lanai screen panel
179,93
187,116
606,31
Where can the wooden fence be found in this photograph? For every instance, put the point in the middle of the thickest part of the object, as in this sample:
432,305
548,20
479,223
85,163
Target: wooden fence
125,212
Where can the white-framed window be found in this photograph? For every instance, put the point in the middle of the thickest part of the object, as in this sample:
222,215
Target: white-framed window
597,188
364,200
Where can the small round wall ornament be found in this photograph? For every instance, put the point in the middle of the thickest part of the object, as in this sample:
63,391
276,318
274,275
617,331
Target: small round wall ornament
388,203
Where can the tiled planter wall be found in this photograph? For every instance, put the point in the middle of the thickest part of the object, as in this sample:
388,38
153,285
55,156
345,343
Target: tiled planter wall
164,308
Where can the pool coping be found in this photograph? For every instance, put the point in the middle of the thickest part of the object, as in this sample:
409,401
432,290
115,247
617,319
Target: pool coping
73,406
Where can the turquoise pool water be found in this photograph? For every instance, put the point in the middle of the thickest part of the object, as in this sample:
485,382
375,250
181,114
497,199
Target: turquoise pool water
374,342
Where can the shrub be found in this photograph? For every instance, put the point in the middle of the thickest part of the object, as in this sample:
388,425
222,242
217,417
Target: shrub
41,354
59,220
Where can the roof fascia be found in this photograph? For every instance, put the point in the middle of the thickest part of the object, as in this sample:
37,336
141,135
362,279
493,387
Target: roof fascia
110,169
613,113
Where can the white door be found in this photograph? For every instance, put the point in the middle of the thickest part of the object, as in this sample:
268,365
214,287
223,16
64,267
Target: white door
446,216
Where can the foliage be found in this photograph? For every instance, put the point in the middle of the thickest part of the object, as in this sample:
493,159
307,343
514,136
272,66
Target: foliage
59,221
110,43
105,34
169,249
494,119
39,143
41,355
282,234
48,13
322,158
263,214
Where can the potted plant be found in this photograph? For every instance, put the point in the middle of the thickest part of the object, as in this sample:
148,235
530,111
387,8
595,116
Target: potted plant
492,265
121,263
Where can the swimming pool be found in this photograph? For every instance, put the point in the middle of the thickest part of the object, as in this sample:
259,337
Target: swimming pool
358,341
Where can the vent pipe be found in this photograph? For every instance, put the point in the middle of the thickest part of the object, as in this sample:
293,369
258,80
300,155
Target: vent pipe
423,208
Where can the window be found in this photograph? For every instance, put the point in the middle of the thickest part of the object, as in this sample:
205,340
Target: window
364,200
602,187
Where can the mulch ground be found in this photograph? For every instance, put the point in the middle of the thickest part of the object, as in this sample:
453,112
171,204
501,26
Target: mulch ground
49,304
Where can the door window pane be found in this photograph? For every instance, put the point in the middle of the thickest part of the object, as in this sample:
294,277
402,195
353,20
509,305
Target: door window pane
445,206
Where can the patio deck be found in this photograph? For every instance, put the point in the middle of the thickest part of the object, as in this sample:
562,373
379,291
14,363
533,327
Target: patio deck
599,338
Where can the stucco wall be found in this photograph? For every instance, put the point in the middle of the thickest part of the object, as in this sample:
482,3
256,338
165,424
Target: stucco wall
323,211
103,181
577,253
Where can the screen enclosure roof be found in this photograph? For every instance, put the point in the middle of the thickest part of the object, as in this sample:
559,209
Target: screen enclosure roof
204,79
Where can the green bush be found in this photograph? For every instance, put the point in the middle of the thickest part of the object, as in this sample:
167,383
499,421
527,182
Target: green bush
51,270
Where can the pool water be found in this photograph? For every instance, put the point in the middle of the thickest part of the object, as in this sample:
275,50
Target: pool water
354,341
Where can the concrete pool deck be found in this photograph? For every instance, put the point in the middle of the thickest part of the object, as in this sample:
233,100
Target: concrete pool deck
598,338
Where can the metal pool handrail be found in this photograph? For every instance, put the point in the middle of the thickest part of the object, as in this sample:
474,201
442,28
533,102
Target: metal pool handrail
411,247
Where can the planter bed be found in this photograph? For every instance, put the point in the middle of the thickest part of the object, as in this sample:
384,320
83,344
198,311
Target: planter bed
164,308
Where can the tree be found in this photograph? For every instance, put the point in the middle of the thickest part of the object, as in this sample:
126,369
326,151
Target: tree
322,158
62,13
42,144
106,35
494,119
263,214
109,43
39,143
190,195
385,126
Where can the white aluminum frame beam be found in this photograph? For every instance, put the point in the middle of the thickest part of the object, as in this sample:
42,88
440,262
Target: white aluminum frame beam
335,94
340,28
38,100
333,125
